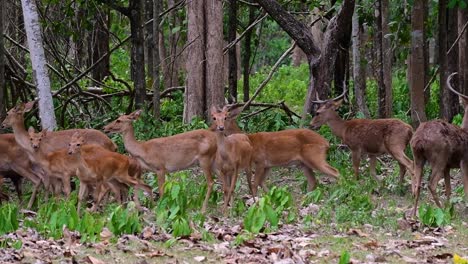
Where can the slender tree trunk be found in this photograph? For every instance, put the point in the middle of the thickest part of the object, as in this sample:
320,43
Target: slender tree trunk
427,92
214,51
157,8
359,70
38,61
174,37
194,91
247,55
463,51
2,61
418,113
138,51
163,58
387,57
450,100
100,44
149,40
232,72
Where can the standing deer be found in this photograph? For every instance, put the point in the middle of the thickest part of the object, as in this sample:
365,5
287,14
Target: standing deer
301,147
234,153
444,146
365,136
97,167
54,140
168,154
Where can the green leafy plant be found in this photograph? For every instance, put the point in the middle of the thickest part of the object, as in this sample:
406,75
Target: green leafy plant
345,257
124,221
435,216
8,218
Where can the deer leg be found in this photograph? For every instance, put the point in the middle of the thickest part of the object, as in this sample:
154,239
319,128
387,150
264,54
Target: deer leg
464,167
311,180
416,179
248,175
66,185
316,159
448,187
372,165
404,162
437,172
356,157
260,174
81,194
206,167
232,187
161,180
37,182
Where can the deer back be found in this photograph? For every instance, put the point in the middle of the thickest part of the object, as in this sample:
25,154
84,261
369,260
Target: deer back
60,139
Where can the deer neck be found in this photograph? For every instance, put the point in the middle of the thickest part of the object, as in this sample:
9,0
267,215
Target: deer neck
464,124
132,145
337,125
21,135
220,142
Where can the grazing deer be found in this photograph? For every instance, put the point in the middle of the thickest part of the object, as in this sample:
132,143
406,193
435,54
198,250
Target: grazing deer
168,154
285,148
97,166
14,161
54,140
234,153
444,146
365,136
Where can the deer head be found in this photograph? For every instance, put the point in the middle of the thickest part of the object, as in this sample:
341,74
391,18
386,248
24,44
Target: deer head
221,116
36,138
327,110
16,113
122,123
76,141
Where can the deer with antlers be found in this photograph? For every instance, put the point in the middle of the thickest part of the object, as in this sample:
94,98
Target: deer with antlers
234,153
444,146
366,136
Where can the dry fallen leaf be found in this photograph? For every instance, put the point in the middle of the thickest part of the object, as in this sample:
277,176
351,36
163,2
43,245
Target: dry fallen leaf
357,232
199,258
105,234
93,260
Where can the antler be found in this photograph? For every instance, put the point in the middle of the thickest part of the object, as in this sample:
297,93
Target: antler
449,85
318,101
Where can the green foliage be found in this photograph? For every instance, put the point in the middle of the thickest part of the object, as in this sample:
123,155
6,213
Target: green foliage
435,216
345,257
8,218
124,221
269,208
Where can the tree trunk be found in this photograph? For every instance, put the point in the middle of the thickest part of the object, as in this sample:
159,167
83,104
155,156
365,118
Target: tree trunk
174,37
247,55
449,100
149,41
38,62
2,61
418,113
232,72
138,51
194,91
387,58
100,45
359,70
214,51
463,51
154,45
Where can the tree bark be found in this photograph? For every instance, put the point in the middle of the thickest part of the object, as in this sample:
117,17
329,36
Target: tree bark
157,8
232,72
100,45
214,51
173,65
359,70
418,113
449,100
149,40
2,62
138,51
247,55
38,61
387,59
463,51
194,91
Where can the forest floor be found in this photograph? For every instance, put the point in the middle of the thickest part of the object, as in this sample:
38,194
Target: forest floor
309,239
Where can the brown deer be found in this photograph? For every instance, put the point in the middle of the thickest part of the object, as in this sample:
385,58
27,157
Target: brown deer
168,154
97,167
234,153
285,148
444,146
14,161
366,136
54,140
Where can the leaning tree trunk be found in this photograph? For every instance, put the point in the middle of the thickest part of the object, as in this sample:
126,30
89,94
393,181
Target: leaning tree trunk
463,51
418,113
38,62
157,8
359,70
214,51
194,89
2,61
232,72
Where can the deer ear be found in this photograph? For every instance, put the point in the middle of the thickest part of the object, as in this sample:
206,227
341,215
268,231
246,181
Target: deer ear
337,104
31,130
135,115
234,113
214,110
45,131
28,106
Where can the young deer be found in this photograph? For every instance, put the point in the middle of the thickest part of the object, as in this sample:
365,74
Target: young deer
97,166
234,153
54,140
365,136
284,148
444,146
168,154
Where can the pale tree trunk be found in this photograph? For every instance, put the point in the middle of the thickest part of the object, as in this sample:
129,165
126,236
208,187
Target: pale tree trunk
232,60
2,61
418,113
157,7
387,57
359,71
463,51
38,62
214,51
194,89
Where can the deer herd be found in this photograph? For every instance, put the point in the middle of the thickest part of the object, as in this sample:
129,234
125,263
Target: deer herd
51,159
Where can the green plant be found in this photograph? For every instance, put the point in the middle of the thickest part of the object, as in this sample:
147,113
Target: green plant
435,216
124,221
344,257
8,218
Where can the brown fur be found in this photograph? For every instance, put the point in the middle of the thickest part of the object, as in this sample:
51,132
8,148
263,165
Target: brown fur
366,136
168,154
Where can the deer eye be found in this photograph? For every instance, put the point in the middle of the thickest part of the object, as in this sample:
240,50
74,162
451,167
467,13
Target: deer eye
214,118
118,121
78,144
225,118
